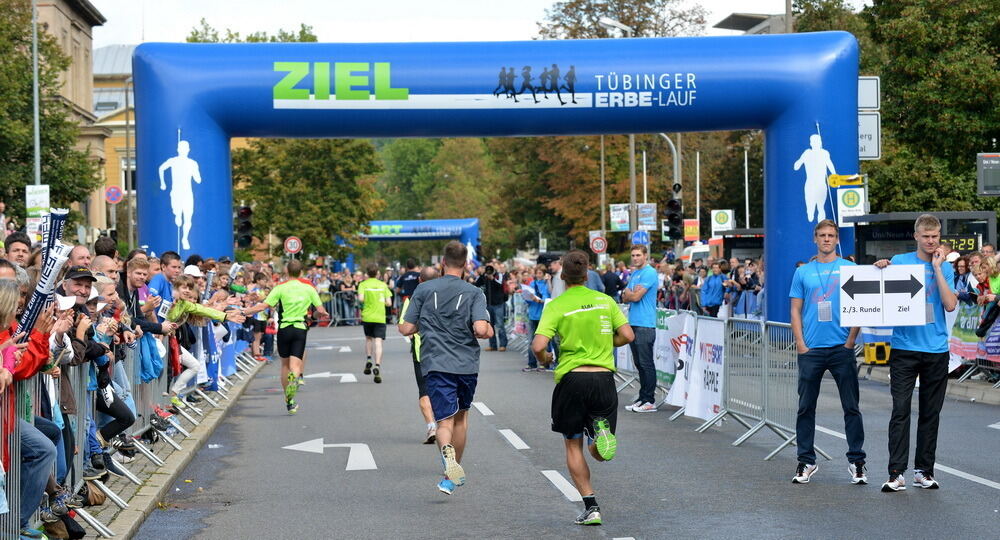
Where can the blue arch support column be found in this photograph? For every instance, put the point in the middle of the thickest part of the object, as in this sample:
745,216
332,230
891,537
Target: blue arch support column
192,98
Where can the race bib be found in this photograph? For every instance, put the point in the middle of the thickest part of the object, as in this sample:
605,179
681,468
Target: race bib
164,309
824,311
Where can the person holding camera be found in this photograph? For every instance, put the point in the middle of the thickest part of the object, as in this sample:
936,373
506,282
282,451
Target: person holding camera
496,304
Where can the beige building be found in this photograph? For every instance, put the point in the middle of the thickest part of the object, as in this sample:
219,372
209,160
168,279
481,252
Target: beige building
71,23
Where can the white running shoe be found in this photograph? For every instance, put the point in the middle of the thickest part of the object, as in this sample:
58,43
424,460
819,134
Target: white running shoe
895,483
633,405
803,472
922,479
858,473
645,407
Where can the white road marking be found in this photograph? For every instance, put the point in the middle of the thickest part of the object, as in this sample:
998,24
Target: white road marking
360,457
937,466
326,348
482,408
995,426
344,377
563,485
513,439
623,538
359,338
345,348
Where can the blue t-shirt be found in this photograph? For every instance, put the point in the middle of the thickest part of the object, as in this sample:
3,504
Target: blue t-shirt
643,312
160,286
711,290
931,337
814,283
540,289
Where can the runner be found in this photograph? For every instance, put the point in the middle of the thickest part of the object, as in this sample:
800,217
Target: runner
585,400
427,274
295,297
374,296
450,315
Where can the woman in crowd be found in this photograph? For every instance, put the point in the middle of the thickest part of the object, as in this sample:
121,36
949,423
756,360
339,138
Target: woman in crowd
963,288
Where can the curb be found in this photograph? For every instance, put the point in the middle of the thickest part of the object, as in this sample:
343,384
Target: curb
126,523
977,391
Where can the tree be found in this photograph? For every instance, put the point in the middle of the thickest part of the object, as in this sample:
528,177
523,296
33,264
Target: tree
205,33
408,178
578,19
71,174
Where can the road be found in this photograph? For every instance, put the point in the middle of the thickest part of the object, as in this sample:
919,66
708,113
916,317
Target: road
667,481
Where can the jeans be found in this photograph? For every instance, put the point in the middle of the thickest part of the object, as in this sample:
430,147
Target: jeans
841,363
904,368
532,360
642,357
498,315
54,434
268,341
37,456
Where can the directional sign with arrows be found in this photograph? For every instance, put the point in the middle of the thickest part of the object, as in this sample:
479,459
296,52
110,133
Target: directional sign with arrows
893,296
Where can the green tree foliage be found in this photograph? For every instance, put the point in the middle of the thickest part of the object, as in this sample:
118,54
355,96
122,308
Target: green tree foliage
317,190
69,171
578,19
206,33
409,177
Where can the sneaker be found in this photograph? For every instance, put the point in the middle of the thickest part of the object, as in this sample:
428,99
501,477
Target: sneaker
112,466
75,501
160,412
123,442
124,457
446,486
177,402
590,516
631,406
59,504
452,469
301,381
292,406
529,369
193,399
489,349
377,374
45,512
159,423
28,532
368,367
925,479
895,483
858,471
604,440
502,349
91,473
645,407
431,435
291,388
803,472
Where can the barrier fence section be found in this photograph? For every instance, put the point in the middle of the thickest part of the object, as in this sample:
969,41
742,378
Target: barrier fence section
24,401
345,308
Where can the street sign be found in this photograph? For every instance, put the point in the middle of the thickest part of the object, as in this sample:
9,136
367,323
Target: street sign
691,230
851,201
293,245
619,218
722,220
869,135
893,296
598,244
113,194
640,238
869,93
988,174
646,216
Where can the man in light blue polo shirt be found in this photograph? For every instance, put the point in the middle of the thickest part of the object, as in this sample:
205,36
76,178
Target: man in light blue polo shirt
824,345
641,297
920,351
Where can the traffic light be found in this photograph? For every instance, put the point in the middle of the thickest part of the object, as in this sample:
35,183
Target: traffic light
674,215
244,229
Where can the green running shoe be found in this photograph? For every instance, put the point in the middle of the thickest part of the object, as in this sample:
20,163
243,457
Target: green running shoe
292,406
590,516
292,388
606,442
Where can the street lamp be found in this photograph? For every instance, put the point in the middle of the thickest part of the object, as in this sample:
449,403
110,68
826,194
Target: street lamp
610,24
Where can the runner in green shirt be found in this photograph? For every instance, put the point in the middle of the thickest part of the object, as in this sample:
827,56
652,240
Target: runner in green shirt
295,297
428,273
589,325
374,296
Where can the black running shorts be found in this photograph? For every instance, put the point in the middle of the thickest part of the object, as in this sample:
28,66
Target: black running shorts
579,398
417,373
291,342
259,326
374,329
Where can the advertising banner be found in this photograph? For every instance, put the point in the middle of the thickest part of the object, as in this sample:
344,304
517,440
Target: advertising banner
646,216
963,341
705,392
619,218
669,327
685,355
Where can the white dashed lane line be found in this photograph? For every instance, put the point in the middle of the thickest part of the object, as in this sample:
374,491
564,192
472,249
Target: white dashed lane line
513,439
563,485
482,408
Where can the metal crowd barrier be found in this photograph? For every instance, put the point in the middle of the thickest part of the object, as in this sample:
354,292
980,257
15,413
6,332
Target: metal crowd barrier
345,308
517,325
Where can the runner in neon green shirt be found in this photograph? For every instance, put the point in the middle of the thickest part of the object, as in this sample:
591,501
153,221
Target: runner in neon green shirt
374,296
585,401
294,297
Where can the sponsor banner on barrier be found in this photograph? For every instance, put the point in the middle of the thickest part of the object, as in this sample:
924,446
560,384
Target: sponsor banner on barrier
685,354
623,359
705,391
964,341
669,327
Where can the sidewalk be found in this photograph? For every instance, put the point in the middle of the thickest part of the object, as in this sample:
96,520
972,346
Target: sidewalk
970,390
156,481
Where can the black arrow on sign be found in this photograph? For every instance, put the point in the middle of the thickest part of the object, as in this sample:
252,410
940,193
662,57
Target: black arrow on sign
853,287
911,286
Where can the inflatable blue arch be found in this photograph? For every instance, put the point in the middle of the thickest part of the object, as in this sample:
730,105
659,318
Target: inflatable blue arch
463,230
801,89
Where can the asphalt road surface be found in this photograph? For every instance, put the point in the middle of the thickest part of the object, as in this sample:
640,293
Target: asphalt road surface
666,482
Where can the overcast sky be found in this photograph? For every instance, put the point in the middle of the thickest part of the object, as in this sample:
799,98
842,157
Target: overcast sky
135,21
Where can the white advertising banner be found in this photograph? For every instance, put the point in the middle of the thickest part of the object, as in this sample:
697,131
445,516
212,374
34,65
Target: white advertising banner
685,355
705,385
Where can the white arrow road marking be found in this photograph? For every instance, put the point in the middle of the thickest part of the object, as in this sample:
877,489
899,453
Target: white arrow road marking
344,348
326,348
937,466
514,440
563,485
359,459
482,408
994,426
344,377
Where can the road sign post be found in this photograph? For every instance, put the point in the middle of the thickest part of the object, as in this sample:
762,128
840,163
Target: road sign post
293,245
598,244
893,296
640,238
